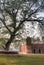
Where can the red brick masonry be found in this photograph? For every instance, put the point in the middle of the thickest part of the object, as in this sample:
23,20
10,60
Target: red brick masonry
37,47
8,52
25,48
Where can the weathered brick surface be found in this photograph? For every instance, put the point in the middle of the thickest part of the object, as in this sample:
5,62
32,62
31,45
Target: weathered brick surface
25,48
39,48
29,47
33,48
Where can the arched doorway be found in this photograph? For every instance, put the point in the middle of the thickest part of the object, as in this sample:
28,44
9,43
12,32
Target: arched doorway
34,51
39,50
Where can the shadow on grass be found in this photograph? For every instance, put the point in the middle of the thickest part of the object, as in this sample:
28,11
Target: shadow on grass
2,64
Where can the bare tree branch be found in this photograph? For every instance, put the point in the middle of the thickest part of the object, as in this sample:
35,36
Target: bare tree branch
31,5
21,22
3,21
34,11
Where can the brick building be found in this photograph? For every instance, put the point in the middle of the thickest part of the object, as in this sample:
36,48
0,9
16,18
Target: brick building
29,47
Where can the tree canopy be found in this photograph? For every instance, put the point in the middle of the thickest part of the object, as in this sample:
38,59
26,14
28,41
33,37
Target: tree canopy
18,12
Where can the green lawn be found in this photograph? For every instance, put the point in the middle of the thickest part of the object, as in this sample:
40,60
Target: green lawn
31,59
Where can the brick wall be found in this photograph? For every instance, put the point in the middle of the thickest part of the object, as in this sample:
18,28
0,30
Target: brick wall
34,48
25,49
38,48
29,47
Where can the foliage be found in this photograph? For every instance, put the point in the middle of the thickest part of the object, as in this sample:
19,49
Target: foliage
19,12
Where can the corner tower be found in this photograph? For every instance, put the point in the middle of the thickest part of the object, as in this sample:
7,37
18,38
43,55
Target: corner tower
26,48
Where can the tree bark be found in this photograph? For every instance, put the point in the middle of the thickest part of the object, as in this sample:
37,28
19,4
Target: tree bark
7,46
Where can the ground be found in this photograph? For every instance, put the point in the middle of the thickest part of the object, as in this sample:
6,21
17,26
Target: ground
31,59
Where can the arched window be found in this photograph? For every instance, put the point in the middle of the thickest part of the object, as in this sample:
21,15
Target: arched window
39,50
34,50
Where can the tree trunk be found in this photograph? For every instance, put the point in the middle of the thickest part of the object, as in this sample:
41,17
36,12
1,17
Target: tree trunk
7,46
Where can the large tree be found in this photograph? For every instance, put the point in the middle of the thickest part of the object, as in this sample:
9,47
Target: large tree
19,11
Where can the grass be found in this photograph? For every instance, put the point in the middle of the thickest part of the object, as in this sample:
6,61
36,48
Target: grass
31,59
